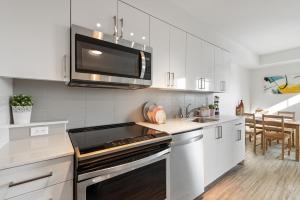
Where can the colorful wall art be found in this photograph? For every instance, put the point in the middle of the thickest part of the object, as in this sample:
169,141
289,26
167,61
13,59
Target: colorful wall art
284,84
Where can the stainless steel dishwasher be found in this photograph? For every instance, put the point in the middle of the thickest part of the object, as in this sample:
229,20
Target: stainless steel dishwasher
186,165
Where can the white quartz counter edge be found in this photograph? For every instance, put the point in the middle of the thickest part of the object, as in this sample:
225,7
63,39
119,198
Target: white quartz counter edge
35,149
173,126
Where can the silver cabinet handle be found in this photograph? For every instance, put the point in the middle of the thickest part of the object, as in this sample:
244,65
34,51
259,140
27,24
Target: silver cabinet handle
222,86
219,132
13,184
65,67
143,59
115,26
169,77
238,124
173,77
239,135
122,27
202,83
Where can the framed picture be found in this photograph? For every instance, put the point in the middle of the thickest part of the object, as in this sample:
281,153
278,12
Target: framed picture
282,84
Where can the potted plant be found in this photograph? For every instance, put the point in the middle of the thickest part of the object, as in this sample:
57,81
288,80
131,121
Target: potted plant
21,106
212,109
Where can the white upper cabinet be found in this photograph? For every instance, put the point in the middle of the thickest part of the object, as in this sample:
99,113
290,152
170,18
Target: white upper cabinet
177,58
95,14
200,65
222,70
160,42
206,67
34,38
193,72
169,47
133,24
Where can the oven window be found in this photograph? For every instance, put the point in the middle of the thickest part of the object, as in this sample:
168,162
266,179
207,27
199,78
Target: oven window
148,182
101,57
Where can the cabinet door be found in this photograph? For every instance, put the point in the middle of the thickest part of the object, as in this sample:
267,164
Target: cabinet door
61,191
94,14
238,136
34,38
211,149
160,37
206,62
192,63
222,70
177,58
135,24
225,157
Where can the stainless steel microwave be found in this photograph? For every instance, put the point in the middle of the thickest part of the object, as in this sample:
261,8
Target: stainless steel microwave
101,60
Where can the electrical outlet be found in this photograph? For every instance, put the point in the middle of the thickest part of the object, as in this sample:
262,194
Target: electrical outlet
39,130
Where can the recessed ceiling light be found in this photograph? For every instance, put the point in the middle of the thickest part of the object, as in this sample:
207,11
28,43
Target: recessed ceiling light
143,38
98,25
131,34
95,52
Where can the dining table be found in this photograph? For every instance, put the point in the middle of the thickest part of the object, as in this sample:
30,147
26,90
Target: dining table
288,123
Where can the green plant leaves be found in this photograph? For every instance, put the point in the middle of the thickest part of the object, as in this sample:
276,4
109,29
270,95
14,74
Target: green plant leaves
20,100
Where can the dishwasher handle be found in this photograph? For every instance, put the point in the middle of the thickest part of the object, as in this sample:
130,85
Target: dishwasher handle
188,141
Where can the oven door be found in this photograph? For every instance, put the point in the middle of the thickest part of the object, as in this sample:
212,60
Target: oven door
97,57
139,180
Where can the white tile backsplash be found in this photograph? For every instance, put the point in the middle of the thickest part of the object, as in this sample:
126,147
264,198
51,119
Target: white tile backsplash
97,106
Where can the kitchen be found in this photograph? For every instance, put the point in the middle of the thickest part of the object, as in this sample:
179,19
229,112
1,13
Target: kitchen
116,88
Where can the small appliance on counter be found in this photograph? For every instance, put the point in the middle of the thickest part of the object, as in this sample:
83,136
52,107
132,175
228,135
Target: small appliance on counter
154,113
101,60
120,160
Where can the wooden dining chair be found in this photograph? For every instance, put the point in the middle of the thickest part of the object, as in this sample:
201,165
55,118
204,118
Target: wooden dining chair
252,130
273,129
289,116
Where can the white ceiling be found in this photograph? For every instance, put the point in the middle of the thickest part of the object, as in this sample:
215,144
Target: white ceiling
263,26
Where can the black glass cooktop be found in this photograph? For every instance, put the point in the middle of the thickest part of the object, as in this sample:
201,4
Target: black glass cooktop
103,137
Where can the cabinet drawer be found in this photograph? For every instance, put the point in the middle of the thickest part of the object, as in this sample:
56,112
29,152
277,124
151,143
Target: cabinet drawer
62,191
23,179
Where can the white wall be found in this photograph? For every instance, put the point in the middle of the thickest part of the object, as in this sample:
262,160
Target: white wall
260,99
287,56
6,90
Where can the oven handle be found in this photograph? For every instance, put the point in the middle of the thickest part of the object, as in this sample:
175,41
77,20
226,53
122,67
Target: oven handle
103,174
143,67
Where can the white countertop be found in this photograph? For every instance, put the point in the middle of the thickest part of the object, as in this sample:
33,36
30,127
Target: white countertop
182,125
35,149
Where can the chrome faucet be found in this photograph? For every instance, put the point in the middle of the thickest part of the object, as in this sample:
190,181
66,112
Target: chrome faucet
188,112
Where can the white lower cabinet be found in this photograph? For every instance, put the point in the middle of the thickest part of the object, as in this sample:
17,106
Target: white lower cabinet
239,141
62,191
224,147
18,181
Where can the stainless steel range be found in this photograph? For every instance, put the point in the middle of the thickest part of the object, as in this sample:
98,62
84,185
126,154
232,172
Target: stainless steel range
120,161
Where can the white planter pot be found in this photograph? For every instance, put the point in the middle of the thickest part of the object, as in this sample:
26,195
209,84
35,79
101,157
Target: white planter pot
21,114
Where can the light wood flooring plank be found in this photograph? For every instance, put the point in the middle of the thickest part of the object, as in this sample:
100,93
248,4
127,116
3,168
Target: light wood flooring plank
260,178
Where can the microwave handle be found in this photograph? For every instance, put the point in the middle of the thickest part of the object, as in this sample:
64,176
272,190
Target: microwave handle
143,64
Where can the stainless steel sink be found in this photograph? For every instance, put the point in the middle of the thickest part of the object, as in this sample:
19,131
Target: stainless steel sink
205,120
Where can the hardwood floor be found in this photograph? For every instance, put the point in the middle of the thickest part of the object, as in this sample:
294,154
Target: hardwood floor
260,178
